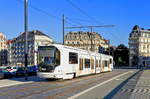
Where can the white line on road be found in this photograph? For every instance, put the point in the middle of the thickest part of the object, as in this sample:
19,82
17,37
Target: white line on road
79,94
8,83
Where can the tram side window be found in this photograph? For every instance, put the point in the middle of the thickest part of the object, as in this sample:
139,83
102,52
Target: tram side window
110,61
73,58
87,63
96,63
99,63
106,64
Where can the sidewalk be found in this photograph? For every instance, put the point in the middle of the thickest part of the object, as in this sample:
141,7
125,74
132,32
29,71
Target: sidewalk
18,81
142,88
137,87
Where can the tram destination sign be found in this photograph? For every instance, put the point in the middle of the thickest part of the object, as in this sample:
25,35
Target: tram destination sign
46,51
45,47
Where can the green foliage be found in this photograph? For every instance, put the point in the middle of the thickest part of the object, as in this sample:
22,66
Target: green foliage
119,59
121,55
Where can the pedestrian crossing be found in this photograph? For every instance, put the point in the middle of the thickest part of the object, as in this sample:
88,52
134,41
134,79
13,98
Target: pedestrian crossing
141,91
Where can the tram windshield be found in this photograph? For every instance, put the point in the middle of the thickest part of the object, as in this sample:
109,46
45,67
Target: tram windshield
48,56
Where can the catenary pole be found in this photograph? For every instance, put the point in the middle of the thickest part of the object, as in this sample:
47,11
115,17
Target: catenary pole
91,38
26,36
109,46
63,27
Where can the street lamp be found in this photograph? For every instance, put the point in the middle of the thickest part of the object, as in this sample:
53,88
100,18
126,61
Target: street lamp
26,36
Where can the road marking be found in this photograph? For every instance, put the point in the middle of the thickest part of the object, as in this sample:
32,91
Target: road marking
118,79
83,92
9,83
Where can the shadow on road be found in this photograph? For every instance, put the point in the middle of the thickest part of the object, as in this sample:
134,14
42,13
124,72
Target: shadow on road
133,67
125,67
125,84
32,78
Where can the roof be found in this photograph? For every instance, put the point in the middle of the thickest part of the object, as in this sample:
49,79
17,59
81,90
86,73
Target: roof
136,27
9,41
36,32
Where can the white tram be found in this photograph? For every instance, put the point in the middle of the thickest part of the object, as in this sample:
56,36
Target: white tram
59,61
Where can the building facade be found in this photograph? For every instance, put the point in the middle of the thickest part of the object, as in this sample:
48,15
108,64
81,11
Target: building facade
9,51
3,50
35,38
139,47
86,40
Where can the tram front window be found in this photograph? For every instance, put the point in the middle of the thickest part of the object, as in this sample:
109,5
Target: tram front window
49,58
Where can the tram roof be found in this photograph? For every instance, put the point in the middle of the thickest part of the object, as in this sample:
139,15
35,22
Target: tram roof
60,46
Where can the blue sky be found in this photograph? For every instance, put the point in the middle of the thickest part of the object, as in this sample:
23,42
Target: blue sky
122,13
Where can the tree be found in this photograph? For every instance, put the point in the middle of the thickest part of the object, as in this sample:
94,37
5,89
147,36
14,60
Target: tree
121,55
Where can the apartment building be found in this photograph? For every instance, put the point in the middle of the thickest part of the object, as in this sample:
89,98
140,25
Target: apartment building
35,38
139,47
86,40
9,51
3,49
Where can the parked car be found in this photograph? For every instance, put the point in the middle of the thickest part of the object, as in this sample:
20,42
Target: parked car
1,74
20,71
32,70
4,73
12,69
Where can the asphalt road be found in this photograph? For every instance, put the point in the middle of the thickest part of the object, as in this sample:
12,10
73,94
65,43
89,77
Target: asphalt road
104,85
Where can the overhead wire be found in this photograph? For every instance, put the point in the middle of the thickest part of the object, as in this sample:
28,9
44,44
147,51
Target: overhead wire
68,20
82,11
86,14
47,13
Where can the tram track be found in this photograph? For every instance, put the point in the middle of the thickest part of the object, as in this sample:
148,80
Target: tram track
78,87
70,89
61,84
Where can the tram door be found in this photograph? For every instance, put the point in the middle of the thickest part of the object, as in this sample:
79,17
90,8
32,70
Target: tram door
111,63
73,61
96,65
108,65
102,67
92,65
81,64
100,64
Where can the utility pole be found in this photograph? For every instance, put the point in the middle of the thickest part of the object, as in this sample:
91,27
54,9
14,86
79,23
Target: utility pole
91,38
109,46
26,36
63,27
